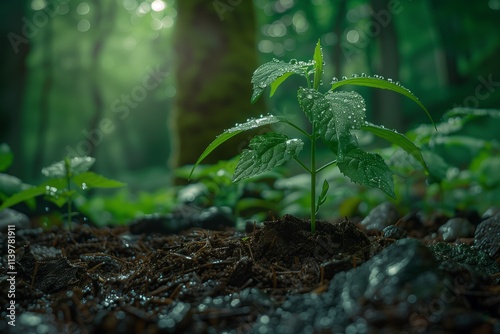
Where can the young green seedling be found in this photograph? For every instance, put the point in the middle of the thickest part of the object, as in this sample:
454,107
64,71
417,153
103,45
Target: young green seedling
333,115
64,178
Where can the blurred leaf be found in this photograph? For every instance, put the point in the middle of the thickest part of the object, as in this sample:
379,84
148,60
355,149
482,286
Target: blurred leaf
437,166
487,169
464,112
89,180
23,196
6,157
76,165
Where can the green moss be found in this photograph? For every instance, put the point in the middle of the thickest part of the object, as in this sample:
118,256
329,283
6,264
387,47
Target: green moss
465,256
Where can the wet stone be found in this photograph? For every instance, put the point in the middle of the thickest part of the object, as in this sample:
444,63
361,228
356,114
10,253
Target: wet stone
381,216
394,232
456,228
377,292
487,237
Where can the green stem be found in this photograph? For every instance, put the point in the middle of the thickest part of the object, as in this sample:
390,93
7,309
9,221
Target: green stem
313,178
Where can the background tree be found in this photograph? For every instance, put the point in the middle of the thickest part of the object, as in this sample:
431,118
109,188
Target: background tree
215,51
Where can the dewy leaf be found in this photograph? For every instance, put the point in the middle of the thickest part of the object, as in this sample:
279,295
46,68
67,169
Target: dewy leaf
229,133
383,84
90,180
318,65
77,166
266,152
398,139
335,115
368,169
271,72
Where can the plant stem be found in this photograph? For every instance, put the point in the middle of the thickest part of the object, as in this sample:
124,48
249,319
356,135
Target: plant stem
313,178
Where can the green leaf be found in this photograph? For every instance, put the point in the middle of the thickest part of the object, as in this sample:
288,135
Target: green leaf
23,196
335,115
89,180
368,169
318,65
270,74
228,134
6,157
77,165
398,139
322,196
383,84
266,152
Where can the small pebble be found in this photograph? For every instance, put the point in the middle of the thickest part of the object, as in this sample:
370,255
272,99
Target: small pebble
381,216
456,228
394,232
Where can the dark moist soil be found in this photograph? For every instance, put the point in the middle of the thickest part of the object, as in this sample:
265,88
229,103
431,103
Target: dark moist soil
108,280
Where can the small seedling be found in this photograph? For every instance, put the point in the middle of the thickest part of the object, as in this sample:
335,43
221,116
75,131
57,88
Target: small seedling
65,177
333,115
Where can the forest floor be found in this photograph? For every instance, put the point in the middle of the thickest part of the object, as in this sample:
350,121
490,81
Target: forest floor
273,278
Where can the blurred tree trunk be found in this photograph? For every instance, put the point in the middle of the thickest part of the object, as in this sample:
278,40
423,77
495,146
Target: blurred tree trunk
387,105
44,114
215,47
448,27
103,21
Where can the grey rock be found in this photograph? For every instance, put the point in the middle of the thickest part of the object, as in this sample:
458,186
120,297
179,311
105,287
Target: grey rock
381,216
487,237
456,228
